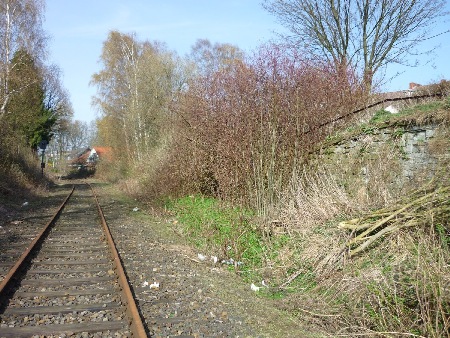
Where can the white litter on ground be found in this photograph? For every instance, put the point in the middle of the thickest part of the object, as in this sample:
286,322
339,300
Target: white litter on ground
154,285
254,287
391,109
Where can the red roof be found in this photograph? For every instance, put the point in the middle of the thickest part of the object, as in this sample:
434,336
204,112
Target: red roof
105,152
102,153
81,159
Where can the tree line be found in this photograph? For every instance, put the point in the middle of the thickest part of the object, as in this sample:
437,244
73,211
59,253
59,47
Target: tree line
235,125
32,100
34,106
218,121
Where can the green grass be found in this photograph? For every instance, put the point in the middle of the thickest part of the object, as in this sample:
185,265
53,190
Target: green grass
443,235
382,115
428,107
446,104
224,231
304,282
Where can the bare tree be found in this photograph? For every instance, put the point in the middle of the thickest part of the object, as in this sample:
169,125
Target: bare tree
368,34
209,58
56,97
70,136
78,135
20,29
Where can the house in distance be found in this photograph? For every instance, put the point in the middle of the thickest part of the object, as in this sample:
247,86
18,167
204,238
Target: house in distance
88,159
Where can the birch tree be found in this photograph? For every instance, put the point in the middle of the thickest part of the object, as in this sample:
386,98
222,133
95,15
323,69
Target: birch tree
135,88
20,29
209,58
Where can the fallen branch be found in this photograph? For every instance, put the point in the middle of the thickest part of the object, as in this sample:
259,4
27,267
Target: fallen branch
389,220
291,278
372,239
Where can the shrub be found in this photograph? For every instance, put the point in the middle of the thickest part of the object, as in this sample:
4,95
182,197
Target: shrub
241,131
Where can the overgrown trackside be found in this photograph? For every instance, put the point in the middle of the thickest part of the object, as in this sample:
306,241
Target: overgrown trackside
346,264
225,232
429,204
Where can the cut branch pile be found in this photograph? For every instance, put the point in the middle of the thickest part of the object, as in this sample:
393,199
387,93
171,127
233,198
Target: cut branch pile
429,202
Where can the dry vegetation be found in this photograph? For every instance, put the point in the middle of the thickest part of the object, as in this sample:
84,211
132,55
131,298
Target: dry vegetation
255,135
19,171
241,131
371,257
347,242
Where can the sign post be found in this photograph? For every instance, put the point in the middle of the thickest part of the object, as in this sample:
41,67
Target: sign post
42,147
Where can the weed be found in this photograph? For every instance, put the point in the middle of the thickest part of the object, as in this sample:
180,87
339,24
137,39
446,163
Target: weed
444,235
368,130
380,116
363,149
428,107
274,294
446,104
224,231
398,132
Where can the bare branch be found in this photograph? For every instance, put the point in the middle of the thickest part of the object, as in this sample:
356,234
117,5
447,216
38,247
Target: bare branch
364,33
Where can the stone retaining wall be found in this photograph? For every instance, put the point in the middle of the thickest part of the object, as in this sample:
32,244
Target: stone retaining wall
410,144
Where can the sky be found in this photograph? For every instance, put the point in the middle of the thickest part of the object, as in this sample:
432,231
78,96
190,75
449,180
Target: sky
78,29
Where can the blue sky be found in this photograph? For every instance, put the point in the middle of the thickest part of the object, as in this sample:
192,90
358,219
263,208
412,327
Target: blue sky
78,29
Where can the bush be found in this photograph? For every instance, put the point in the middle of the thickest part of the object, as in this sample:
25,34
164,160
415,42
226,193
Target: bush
242,130
20,169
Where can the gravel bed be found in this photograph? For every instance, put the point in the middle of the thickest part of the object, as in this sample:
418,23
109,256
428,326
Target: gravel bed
84,232
64,275
64,267
56,288
107,334
178,294
14,240
70,318
64,301
22,218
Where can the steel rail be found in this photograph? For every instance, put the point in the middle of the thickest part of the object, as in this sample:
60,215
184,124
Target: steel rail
27,253
135,321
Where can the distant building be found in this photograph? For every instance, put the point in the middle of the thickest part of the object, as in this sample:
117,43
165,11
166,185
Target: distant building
414,86
91,156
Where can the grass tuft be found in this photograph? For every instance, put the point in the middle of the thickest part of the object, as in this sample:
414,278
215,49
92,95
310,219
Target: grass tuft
226,232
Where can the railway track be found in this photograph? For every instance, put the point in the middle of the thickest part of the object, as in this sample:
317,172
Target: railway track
70,280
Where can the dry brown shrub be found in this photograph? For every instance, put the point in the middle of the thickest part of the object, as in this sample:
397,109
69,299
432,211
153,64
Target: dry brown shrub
398,288
241,130
20,170
314,198
441,88
110,170
402,286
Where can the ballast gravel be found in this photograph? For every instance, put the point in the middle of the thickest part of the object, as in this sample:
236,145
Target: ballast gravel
178,294
181,295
